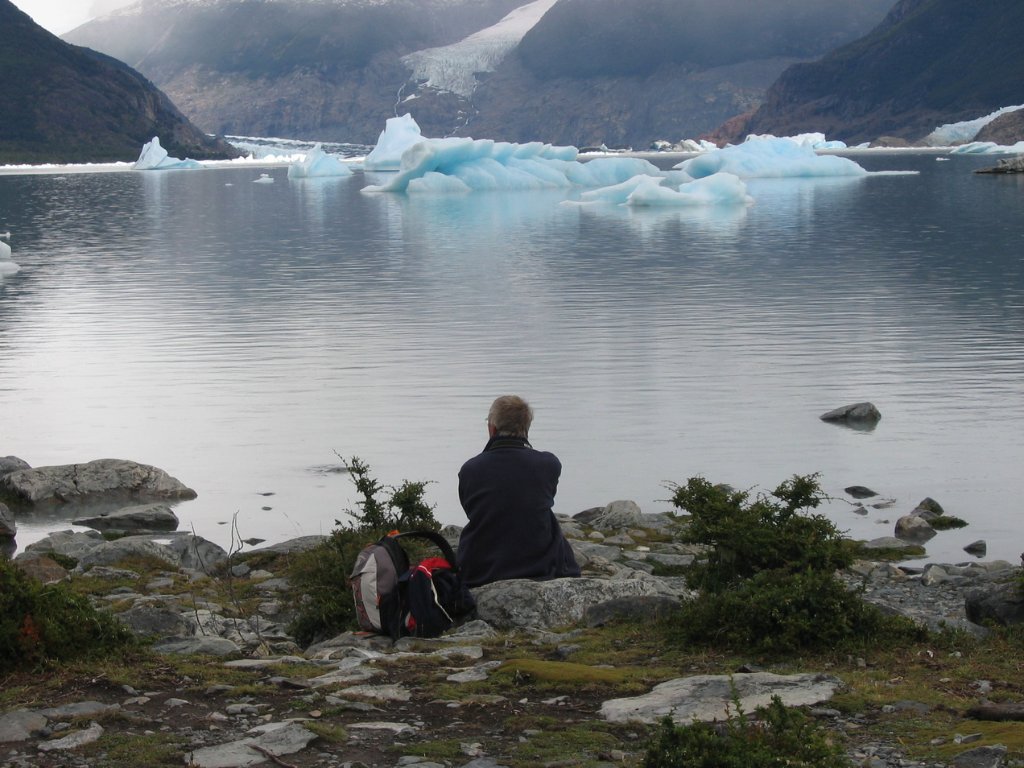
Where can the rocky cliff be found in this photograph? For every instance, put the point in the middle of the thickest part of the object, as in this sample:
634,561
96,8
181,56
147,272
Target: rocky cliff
930,62
62,103
621,72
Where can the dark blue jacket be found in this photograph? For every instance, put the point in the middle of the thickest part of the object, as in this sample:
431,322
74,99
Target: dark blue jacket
508,492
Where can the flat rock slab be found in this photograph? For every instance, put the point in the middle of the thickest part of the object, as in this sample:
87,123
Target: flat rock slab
706,698
138,518
206,646
93,481
74,740
20,725
521,603
285,739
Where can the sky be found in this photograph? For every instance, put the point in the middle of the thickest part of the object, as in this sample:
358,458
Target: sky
60,16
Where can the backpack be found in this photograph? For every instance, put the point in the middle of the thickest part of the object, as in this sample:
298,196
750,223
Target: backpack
395,599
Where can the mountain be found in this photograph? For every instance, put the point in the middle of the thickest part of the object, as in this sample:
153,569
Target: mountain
930,62
622,72
61,103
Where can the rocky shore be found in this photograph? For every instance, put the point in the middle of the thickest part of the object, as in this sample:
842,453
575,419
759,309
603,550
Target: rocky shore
236,689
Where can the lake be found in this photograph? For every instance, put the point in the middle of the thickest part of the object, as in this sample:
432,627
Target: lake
242,336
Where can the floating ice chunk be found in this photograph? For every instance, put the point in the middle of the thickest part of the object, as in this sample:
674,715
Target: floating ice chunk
7,265
318,164
438,183
609,170
770,158
495,165
265,178
964,131
618,194
398,135
718,189
155,158
812,140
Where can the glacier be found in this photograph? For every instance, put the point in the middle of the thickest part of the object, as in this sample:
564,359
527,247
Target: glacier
318,164
453,67
398,135
988,148
964,131
155,158
769,158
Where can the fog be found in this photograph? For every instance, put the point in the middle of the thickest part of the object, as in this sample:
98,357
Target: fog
60,16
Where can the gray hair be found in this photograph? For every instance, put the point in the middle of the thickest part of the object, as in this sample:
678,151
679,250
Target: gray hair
510,416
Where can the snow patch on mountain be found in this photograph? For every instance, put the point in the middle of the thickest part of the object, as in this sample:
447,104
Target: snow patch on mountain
453,67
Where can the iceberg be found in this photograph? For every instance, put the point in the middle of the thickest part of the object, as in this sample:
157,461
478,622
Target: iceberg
318,164
398,135
717,189
767,158
463,165
155,158
7,265
645,191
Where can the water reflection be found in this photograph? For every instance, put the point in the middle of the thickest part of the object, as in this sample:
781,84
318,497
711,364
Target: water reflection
238,334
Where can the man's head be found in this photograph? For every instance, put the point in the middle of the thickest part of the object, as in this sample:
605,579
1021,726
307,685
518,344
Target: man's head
510,416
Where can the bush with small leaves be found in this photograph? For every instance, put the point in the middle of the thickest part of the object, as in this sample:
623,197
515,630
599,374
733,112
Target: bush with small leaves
777,738
768,583
776,613
320,575
767,533
49,623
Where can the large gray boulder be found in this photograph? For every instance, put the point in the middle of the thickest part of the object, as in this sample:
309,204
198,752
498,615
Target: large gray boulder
706,698
89,548
616,516
9,464
914,528
8,528
94,481
525,604
140,518
1000,603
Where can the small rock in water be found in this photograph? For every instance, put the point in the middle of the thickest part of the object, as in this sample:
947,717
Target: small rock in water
859,415
860,492
977,548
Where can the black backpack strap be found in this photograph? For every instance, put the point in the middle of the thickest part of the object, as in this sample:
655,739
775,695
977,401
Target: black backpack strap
436,538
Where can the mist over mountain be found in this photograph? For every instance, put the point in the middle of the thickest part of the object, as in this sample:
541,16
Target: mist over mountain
594,38
622,72
61,103
928,63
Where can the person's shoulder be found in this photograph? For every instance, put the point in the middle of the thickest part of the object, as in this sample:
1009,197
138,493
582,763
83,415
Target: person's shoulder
547,456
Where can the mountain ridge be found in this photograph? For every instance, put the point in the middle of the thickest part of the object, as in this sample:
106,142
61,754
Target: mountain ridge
62,103
954,62
327,72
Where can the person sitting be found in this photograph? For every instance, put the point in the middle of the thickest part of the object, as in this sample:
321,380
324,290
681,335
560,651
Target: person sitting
508,492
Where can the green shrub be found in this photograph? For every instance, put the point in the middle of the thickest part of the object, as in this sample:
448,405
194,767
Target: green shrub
782,738
320,576
402,507
43,623
768,583
768,533
777,613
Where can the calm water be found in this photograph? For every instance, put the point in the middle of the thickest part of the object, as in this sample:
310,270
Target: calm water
241,335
